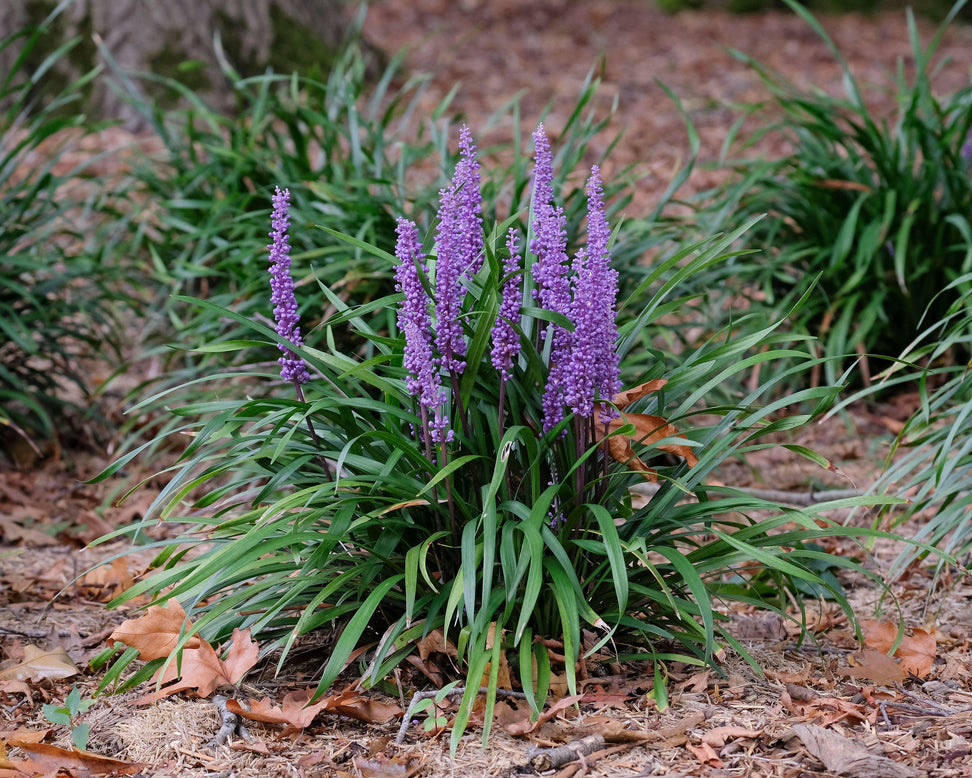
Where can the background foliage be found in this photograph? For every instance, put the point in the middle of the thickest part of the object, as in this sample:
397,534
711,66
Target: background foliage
60,301
256,535
874,208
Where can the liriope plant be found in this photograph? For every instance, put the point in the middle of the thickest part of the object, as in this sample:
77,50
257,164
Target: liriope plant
470,470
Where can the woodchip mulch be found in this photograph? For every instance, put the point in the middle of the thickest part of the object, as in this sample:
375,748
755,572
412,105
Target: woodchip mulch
744,723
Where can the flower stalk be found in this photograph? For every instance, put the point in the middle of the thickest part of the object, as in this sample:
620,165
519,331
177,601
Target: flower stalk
284,300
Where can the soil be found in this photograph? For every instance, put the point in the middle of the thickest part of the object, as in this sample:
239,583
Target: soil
825,706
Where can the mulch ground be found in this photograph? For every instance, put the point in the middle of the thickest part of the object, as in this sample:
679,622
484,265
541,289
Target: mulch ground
823,706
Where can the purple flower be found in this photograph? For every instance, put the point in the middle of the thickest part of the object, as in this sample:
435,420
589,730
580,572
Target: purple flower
459,252
292,367
549,244
415,322
593,365
966,152
550,273
506,341
466,184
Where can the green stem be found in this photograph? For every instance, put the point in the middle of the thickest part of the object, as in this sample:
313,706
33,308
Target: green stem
457,398
502,404
456,537
313,433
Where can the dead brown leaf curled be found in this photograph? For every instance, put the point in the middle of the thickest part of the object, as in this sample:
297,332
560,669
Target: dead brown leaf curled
648,430
156,635
46,759
41,665
916,651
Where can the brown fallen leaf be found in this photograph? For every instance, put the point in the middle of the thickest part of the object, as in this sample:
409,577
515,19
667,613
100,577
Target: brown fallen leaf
648,430
202,671
705,754
503,678
105,581
525,726
916,651
297,711
156,635
379,766
782,676
848,758
512,715
14,532
875,666
45,758
436,642
242,655
13,686
828,710
623,399
252,746
719,736
41,665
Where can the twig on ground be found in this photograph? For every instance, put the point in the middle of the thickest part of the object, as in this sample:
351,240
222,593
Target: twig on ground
551,758
231,724
926,702
25,633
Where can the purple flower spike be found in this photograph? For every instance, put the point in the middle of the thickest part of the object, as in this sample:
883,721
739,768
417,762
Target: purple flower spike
459,252
292,367
506,341
550,273
549,244
466,184
415,321
594,371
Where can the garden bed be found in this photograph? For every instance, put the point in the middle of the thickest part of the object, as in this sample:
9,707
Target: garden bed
741,723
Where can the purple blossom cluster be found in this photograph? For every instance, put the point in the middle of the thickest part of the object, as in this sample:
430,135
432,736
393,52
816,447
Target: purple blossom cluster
506,341
292,367
583,364
593,370
582,360
414,319
551,275
459,252
549,244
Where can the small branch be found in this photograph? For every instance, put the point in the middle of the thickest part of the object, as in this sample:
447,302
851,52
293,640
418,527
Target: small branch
926,702
799,499
32,633
231,724
544,759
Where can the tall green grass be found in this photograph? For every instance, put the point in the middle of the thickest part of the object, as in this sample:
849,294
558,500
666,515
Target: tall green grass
877,209
60,233
930,463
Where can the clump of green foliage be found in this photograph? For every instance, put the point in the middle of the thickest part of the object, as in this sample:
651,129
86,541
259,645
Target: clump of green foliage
337,510
59,304
930,463
67,715
875,209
